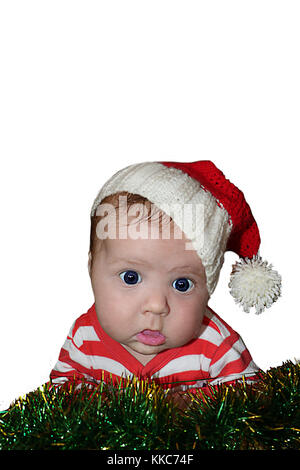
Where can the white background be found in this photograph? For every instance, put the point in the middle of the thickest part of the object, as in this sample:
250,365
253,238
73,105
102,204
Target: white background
89,87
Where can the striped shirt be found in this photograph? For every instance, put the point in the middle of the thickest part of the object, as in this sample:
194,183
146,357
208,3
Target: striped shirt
218,355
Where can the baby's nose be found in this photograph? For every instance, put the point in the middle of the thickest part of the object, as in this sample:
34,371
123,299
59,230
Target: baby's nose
157,303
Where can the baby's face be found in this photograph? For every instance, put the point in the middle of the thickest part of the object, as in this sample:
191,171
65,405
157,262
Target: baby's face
150,294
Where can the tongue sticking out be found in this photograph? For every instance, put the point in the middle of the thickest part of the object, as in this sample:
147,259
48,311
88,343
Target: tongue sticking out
153,338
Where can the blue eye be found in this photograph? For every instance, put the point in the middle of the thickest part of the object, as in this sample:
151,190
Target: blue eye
183,284
130,277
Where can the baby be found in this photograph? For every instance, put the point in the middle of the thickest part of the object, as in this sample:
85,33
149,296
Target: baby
159,231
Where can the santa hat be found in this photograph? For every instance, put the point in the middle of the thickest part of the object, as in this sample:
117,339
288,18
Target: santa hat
228,222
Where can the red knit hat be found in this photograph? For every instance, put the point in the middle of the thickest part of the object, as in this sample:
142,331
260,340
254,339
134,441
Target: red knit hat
228,222
244,239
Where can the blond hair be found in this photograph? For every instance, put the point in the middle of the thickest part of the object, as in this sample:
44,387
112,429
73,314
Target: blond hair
113,199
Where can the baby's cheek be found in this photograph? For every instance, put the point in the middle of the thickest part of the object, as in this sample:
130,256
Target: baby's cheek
186,330
196,328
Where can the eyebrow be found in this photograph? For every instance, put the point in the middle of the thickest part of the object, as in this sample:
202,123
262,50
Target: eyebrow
141,262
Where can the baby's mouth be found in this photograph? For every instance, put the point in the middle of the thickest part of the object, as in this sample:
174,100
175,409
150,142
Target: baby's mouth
151,337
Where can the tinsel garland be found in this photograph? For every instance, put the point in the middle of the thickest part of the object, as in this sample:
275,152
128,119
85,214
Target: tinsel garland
265,415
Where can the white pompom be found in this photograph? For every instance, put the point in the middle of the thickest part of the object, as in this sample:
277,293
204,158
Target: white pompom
254,283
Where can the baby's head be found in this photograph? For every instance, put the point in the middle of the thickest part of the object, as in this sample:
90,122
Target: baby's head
159,231
150,291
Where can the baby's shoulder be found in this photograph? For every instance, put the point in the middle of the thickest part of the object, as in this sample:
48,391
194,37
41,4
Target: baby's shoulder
82,326
214,327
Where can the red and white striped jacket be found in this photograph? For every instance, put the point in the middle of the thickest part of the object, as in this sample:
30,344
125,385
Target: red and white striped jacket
218,355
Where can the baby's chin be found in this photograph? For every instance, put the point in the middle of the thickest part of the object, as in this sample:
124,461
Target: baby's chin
147,349
144,353
136,348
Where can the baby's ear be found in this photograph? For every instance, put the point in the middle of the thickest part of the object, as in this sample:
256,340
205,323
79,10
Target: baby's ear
89,263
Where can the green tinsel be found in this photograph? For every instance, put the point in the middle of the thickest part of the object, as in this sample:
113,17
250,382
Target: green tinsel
261,416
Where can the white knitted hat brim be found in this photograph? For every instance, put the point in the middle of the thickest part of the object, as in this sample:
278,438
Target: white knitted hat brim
170,189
